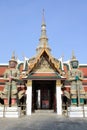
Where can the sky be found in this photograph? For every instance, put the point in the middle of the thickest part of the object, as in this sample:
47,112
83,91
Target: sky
66,25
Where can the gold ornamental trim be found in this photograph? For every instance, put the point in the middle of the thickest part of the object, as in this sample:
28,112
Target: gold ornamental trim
74,96
29,83
58,83
73,92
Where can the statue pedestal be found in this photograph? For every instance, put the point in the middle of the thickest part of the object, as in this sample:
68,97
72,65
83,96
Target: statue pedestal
80,111
1,111
13,111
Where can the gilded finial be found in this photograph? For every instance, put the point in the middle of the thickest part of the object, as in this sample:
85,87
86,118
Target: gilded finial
43,11
43,18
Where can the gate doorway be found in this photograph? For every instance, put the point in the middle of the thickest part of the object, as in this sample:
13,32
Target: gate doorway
43,95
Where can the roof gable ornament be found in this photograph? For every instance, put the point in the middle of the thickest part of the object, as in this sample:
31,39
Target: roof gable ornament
43,18
55,65
44,45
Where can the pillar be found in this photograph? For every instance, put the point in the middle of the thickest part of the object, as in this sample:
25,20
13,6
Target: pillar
29,98
58,97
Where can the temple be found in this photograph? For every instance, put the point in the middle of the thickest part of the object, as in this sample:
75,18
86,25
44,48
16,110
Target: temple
45,78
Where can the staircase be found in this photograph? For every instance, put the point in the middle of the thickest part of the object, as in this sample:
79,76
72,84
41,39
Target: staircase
80,111
44,111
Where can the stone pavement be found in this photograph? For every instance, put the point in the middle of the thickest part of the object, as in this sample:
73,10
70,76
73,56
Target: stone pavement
43,121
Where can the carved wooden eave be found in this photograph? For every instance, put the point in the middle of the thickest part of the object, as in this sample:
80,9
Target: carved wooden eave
50,58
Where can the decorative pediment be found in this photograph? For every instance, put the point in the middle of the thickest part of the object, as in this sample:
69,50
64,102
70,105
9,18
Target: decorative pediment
45,62
43,66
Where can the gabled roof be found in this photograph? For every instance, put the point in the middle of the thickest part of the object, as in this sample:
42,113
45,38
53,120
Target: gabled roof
51,60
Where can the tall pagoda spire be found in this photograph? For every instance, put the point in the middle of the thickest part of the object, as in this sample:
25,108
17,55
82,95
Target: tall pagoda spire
43,41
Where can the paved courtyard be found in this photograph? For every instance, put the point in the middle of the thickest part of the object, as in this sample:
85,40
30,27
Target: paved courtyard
43,121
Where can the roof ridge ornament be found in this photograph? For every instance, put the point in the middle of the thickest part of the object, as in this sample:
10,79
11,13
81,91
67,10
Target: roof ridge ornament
44,45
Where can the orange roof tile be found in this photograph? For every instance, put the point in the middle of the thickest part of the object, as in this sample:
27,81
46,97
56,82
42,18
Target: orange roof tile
2,69
84,70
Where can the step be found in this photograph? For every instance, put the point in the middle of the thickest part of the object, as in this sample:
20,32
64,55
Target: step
13,111
44,111
77,111
12,114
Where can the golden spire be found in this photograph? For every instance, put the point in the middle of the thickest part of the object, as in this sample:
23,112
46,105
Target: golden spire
43,38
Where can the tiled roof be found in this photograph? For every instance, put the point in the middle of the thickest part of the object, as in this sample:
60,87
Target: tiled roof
2,80
2,69
84,70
